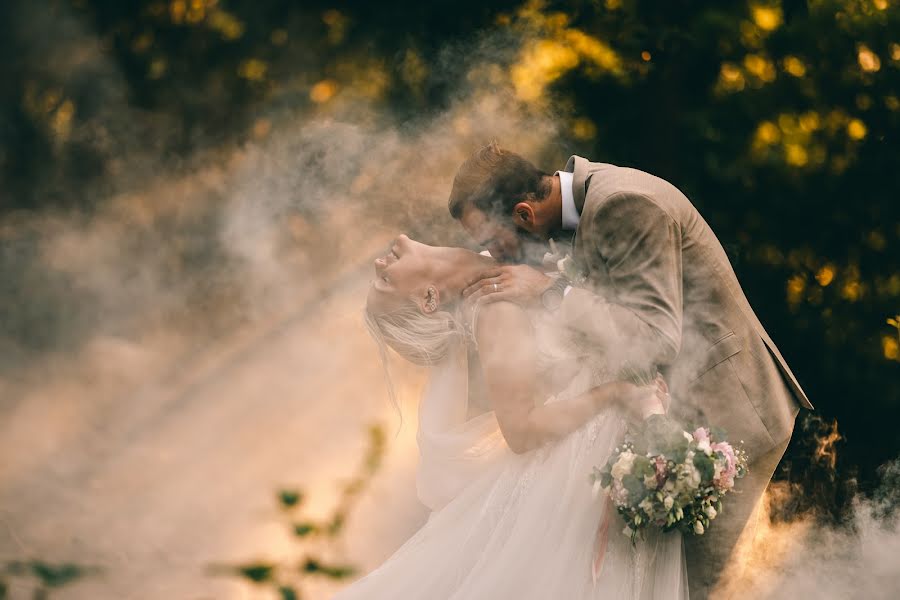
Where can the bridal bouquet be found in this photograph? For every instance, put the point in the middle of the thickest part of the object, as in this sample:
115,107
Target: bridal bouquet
665,477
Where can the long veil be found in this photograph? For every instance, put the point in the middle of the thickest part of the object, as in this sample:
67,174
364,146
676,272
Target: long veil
453,450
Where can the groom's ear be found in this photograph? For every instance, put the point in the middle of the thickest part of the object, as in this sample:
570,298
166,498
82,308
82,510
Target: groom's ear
523,215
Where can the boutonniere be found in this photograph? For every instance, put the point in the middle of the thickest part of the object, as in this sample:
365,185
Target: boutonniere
566,266
569,269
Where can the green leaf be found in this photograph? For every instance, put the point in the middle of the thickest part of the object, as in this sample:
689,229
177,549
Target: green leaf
340,572
705,465
304,529
288,593
257,573
311,566
337,523
678,454
642,466
290,498
635,487
335,572
57,575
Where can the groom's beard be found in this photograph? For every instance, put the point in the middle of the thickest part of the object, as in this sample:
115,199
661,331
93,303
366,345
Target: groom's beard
531,249
561,235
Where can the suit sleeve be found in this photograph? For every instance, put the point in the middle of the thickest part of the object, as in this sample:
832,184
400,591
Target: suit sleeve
640,244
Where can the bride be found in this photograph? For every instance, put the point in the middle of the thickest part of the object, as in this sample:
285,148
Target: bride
513,514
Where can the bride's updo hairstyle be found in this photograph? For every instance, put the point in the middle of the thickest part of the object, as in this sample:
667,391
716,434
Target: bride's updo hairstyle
423,339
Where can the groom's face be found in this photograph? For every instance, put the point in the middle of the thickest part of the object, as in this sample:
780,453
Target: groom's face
506,242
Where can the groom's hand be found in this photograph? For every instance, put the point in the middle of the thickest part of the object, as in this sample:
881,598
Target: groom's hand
521,284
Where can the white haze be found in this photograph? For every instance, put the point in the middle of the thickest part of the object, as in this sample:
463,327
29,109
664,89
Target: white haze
207,346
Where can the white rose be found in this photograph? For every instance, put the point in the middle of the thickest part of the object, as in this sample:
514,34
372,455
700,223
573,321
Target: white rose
718,467
668,501
646,506
703,446
623,465
688,436
693,478
711,512
698,528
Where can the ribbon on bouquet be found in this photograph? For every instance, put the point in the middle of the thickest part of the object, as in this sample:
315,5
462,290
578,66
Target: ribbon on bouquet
601,538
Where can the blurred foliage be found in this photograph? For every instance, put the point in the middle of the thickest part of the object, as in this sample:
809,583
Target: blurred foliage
777,118
46,576
314,537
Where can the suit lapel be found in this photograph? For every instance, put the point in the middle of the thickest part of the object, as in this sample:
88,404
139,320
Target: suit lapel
581,170
578,166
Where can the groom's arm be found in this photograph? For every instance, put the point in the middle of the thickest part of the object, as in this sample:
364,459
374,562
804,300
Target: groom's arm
640,244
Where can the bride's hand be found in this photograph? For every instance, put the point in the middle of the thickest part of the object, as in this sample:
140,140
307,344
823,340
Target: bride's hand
662,392
641,401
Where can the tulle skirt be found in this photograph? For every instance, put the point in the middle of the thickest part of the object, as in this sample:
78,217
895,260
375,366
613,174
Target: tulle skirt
525,529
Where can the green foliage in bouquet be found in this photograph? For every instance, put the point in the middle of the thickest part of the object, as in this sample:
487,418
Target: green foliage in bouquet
665,477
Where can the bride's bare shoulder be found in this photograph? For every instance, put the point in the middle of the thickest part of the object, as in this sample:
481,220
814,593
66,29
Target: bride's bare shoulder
501,319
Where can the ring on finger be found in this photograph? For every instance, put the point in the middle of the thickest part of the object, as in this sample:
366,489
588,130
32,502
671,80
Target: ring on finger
496,287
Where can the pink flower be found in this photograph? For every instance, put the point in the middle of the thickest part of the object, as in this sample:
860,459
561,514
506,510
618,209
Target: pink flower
725,479
701,434
619,494
661,471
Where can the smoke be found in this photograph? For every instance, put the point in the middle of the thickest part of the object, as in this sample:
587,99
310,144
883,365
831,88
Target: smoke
171,354
808,556
238,231
177,334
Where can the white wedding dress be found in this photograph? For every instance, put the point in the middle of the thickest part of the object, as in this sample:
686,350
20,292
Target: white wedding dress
517,526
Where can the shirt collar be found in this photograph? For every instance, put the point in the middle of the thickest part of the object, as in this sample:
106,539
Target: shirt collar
570,216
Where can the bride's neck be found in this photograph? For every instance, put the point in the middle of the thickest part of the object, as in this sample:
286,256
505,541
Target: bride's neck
460,268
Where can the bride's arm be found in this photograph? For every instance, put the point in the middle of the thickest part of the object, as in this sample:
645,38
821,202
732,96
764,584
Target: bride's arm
508,354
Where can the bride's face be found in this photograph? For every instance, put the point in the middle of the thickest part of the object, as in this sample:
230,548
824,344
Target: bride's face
402,275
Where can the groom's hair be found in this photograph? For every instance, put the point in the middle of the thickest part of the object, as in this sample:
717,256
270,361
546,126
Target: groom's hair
494,180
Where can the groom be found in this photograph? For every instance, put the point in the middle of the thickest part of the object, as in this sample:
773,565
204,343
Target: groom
653,287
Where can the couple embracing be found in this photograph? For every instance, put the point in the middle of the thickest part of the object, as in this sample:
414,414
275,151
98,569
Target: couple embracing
526,393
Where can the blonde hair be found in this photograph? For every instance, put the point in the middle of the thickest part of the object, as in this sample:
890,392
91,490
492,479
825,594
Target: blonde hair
423,339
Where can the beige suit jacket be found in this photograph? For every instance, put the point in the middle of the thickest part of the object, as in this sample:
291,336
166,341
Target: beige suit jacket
660,290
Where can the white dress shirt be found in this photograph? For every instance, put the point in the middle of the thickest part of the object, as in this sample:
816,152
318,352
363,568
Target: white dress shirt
570,216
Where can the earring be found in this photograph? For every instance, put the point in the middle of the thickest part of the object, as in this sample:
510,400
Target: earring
431,303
